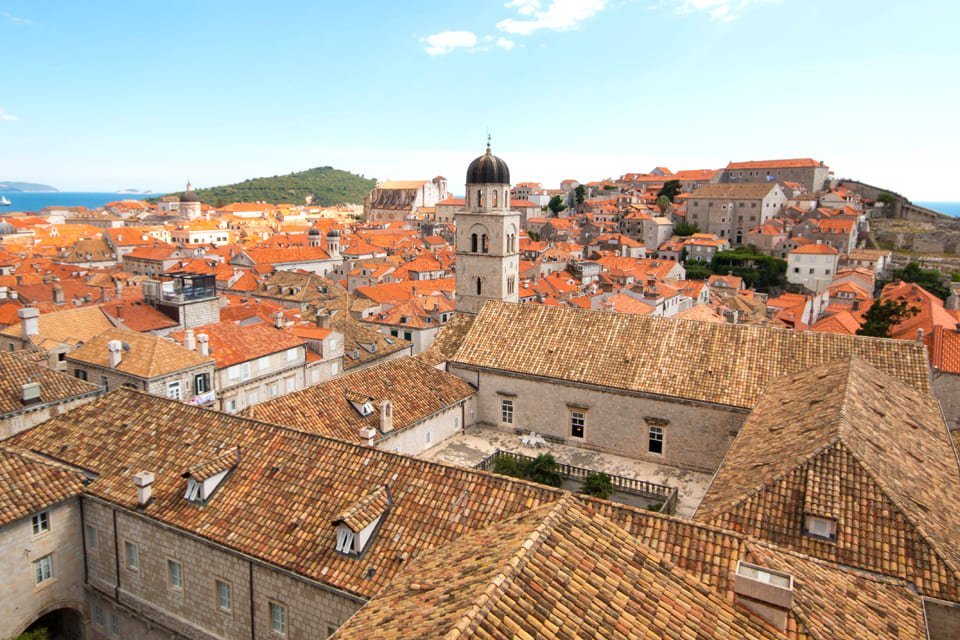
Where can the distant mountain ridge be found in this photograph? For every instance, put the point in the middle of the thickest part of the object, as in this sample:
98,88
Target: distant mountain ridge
10,185
324,186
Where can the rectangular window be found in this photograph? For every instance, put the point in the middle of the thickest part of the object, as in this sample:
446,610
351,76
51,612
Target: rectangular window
655,440
132,554
278,618
173,390
105,383
506,411
578,420
114,623
292,355
252,398
263,363
231,406
291,385
80,373
201,383
224,596
174,574
43,569
407,336
273,390
98,618
40,522
90,532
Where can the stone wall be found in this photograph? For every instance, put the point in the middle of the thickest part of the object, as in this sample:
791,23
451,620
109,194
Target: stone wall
696,435
143,599
22,600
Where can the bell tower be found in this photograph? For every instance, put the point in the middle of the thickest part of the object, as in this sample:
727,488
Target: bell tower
488,263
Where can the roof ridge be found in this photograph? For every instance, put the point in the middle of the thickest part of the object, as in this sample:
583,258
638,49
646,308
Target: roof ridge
514,565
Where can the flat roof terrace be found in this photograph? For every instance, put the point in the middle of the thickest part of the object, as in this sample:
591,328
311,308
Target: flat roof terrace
477,444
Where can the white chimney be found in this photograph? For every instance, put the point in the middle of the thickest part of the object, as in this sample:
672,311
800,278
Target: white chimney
118,288
278,320
203,344
766,593
143,481
386,416
368,434
115,347
189,341
3,293
29,322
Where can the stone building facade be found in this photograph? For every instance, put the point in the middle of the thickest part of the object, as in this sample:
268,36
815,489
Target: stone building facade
812,175
729,211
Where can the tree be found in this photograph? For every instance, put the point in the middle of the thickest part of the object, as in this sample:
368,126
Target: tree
883,315
930,279
669,190
509,466
684,229
556,204
887,199
663,203
543,469
597,484
40,633
581,194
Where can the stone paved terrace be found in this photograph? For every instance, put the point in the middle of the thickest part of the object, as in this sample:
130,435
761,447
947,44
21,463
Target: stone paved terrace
469,448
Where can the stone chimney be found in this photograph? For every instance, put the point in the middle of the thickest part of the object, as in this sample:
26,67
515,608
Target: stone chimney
386,416
115,349
29,322
766,593
203,344
189,341
143,481
58,297
323,319
118,289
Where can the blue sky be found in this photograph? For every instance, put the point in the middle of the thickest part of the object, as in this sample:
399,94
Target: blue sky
109,95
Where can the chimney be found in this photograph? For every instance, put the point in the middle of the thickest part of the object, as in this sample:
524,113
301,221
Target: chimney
278,320
920,335
368,434
3,293
189,341
386,416
118,288
203,346
31,393
115,347
323,319
766,593
58,297
143,481
29,322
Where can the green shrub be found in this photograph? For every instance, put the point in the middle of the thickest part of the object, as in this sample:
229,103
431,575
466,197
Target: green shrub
597,484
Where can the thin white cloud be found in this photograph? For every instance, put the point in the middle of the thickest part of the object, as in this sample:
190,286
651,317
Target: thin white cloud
444,42
15,19
720,10
504,43
7,116
559,15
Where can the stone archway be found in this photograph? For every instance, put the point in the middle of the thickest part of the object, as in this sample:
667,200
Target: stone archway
62,622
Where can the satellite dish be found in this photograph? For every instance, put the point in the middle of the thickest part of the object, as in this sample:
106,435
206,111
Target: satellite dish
125,346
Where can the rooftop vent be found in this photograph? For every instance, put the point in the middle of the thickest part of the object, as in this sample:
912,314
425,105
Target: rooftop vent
31,393
765,592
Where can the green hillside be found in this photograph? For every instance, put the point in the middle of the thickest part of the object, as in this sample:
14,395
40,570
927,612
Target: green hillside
326,185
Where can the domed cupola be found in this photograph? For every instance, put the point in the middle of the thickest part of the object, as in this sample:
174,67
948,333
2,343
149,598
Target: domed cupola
189,195
488,169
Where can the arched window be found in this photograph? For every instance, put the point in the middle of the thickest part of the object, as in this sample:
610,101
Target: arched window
473,243
479,286
479,197
495,199
486,244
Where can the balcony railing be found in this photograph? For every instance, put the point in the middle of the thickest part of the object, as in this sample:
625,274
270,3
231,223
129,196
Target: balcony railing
667,496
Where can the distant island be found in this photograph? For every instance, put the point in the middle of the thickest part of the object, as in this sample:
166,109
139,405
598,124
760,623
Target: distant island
24,187
134,191
324,186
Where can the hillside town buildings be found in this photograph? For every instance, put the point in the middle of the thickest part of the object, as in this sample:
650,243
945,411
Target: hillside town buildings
277,421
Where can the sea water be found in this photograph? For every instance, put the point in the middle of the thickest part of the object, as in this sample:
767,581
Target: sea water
34,201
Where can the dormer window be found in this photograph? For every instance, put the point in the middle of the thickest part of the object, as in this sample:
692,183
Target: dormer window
358,524
205,478
362,404
825,528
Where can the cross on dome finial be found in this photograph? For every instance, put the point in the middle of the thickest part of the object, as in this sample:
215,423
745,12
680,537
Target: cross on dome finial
488,142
